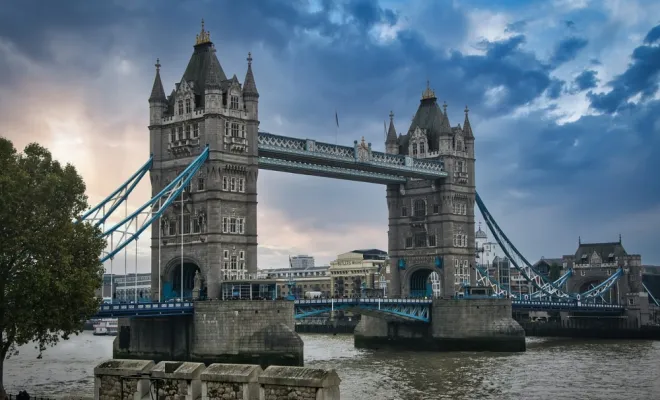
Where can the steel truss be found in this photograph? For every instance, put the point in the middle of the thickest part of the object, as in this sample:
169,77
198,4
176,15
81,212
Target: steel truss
410,309
99,214
130,228
546,288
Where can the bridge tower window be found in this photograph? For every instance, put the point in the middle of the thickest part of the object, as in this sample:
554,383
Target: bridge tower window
195,130
432,241
232,184
225,183
200,184
180,104
241,185
420,208
422,148
404,212
188,106
227,128
234,130
186,224
420,240
234,103
409,242
172,135
188,131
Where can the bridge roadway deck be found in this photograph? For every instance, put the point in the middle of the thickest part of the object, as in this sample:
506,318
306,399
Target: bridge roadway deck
412,311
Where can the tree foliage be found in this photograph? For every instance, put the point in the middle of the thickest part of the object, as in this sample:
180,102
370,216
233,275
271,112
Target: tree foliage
49,265
555,271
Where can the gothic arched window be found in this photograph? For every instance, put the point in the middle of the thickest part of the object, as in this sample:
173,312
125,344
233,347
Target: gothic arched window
419,208
422,148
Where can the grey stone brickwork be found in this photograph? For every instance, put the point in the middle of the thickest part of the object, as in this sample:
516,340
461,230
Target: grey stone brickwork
440,213
234,381
456,325
206,109
285,383
218,381
256,331
113,379
177,380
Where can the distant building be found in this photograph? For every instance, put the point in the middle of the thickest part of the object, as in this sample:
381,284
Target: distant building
125,287
304,279
544,265
302,261
358,271
486,250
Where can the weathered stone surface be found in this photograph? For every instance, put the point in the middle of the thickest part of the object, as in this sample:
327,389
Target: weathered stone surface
192,381
224,390
120,379
243,373
299,377
277,392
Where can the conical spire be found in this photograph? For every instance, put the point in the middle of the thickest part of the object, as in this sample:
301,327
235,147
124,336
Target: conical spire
446,126
467,128
214,73
391,132
249,86
157,91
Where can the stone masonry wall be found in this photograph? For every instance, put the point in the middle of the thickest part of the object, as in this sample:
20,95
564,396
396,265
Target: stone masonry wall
255,332
476,324
111,388
172,389
276,392
191,381
224,390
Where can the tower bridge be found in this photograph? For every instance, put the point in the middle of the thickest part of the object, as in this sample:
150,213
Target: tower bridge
206,152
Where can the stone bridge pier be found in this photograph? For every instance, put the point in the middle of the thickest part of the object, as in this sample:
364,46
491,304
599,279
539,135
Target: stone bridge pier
455,325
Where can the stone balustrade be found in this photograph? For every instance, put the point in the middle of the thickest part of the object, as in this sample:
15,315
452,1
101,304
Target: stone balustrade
169,380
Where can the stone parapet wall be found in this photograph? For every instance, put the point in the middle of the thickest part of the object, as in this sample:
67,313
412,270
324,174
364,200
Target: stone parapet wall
168,380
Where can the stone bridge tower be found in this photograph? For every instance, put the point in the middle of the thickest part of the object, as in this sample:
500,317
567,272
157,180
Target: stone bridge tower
431,223
213,229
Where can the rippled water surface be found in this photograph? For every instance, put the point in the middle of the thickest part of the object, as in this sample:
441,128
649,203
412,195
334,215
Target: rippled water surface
550,369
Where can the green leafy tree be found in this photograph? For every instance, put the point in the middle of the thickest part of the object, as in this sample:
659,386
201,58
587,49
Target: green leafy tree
555,271
49,266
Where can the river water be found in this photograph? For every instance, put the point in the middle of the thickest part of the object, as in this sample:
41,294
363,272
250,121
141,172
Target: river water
550,369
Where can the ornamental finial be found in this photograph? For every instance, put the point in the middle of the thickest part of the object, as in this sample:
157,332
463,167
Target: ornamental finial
158,64
249,59
203,36
428,93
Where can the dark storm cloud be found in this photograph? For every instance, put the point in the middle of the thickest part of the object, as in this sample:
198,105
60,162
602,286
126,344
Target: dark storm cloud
567,50
555,89
591,166
641,77
586,80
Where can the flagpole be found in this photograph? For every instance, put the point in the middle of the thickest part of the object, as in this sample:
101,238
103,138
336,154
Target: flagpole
336,126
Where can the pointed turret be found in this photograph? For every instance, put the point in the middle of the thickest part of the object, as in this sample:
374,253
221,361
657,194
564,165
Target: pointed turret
204,69
157,91
250,93
446,126
157,100
392,142
467,128
249,86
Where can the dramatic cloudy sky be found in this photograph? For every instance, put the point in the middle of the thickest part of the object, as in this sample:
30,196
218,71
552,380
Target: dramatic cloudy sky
563,95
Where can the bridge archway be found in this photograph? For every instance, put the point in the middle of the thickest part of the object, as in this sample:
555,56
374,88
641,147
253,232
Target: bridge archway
422,281
172,278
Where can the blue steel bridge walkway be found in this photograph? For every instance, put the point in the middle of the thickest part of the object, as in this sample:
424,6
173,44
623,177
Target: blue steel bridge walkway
357,163
410,310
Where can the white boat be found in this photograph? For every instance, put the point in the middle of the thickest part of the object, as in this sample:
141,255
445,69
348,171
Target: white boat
106,327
